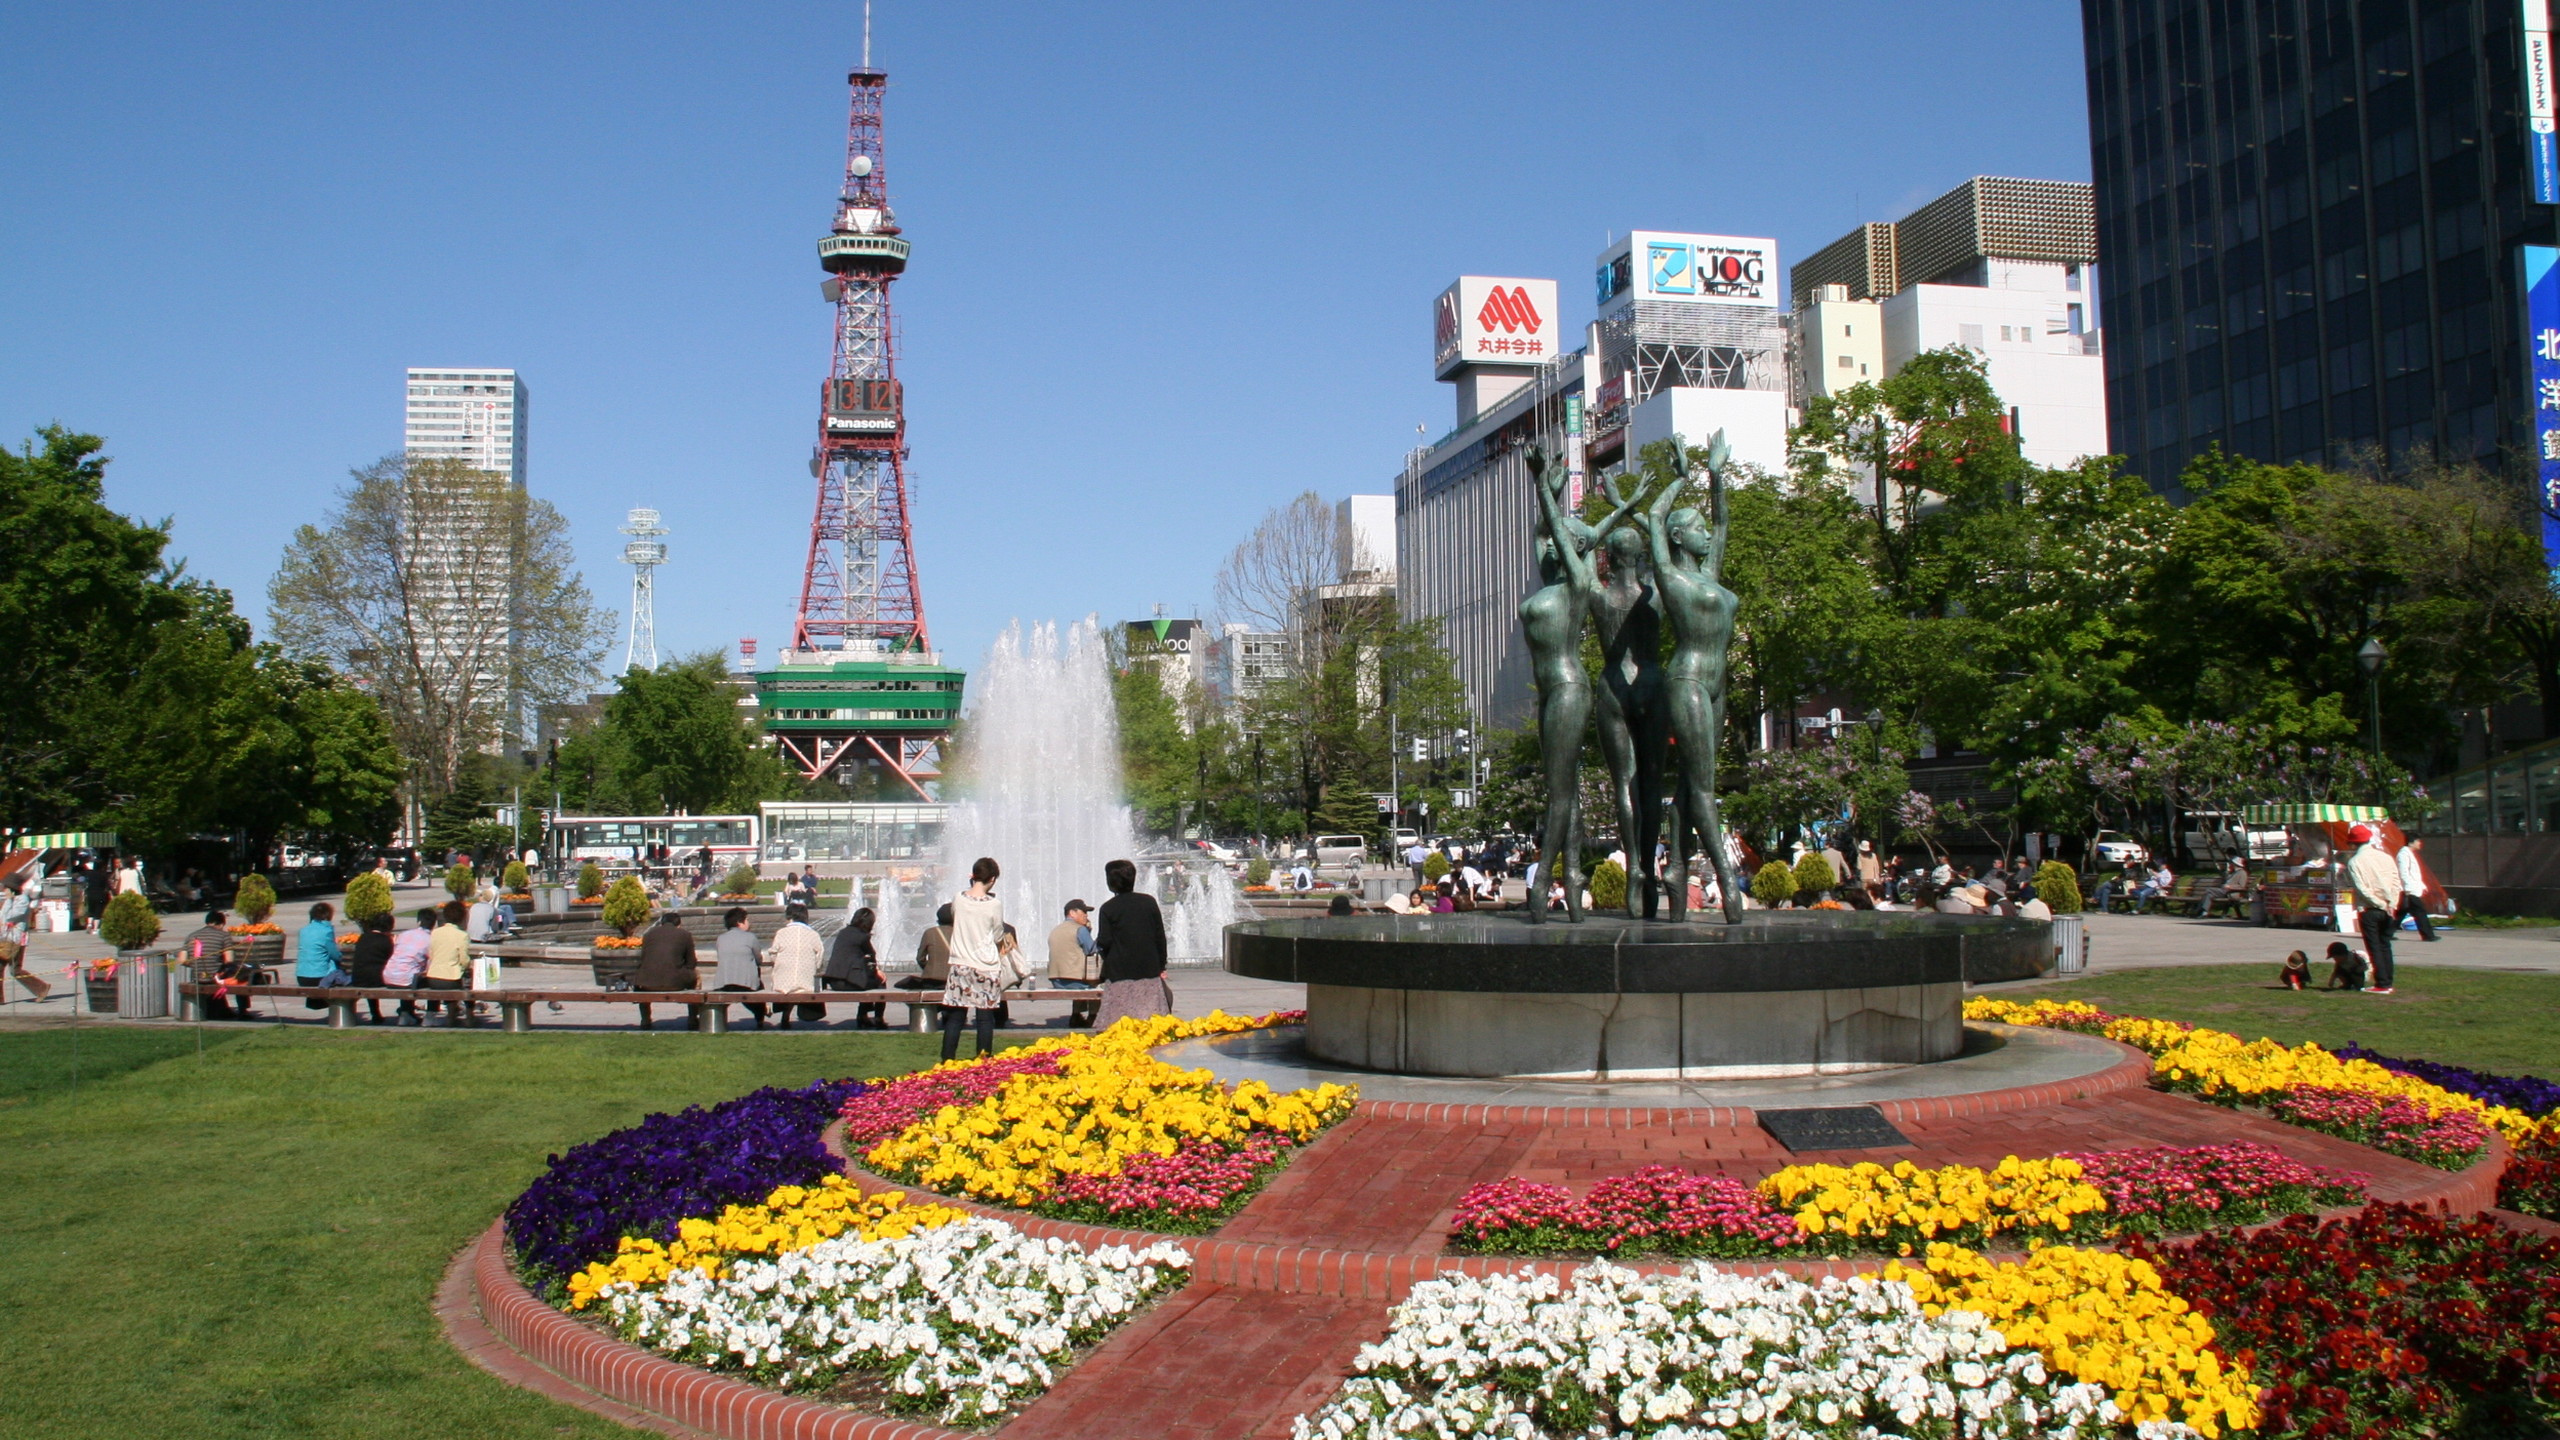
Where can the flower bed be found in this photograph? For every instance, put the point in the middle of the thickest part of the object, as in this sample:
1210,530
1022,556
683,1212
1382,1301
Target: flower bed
1695,1354
2220,1067
2394,1322
793,1217
1873,1209
2530,1094
963,1321
644,1182
1093,1127
2531,1183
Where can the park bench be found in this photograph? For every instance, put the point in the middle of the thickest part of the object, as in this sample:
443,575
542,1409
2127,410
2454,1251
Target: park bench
709,1008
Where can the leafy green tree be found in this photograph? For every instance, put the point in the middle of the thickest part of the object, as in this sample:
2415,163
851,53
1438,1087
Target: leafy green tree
668,739
1160,759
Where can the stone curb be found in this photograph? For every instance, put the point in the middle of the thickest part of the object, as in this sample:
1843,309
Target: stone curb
531,1344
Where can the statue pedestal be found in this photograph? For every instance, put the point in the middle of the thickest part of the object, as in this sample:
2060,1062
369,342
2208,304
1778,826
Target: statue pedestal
1785,993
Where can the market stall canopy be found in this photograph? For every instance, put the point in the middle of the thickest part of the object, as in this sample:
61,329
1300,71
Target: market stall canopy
2308,814
64,840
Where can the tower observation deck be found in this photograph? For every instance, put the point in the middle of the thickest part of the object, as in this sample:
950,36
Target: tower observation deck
860,685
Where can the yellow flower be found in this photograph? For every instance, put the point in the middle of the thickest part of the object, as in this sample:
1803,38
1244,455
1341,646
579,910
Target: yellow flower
2098,1317
1906,1204
793,1217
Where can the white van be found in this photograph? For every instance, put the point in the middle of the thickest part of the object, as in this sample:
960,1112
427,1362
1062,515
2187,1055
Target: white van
1338,851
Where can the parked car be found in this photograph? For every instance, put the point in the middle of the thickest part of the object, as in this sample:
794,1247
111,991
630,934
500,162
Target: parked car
1340,851
1223,854
1405,840
2114,847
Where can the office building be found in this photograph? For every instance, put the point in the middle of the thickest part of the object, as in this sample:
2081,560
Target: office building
474,416
466,584
2000,266
2310,214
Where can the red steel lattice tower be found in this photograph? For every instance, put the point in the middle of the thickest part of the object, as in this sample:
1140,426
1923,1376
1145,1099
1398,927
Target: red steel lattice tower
860,593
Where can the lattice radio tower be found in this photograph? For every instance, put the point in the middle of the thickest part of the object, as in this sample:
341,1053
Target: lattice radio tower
644,554
860,592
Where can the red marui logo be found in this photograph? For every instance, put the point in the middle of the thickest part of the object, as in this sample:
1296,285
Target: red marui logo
1445,323
1509,310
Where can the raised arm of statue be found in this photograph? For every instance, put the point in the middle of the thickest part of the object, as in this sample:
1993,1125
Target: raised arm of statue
1574,540
1719,459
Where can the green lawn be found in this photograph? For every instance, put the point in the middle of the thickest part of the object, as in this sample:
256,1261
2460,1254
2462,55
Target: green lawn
248,1243
2493,1020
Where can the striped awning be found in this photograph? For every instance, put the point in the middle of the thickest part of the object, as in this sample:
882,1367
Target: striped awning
64,840
2306,814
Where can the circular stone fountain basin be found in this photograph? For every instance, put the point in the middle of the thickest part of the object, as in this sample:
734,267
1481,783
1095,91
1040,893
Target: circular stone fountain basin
1788,992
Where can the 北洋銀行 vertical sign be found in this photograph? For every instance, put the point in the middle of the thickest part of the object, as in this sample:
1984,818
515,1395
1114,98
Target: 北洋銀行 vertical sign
2542,338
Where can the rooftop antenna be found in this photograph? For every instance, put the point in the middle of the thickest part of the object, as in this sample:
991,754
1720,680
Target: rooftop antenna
866,34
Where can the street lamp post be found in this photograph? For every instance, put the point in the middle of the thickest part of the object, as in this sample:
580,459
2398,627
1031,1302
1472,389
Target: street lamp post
2369,658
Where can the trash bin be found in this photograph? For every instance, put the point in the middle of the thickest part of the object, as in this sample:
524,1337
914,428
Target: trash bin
2070,945
142,985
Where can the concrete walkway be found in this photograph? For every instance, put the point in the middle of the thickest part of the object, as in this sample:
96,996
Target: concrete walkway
2117,942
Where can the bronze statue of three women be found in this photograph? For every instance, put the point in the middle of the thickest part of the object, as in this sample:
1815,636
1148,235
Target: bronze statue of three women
1656,715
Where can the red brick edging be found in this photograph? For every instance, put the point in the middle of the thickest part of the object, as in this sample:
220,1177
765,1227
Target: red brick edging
549,1352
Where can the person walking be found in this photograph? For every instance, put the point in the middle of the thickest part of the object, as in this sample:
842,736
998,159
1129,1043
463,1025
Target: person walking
1072,963
448,963
667,962
370,957
407,966
978,945
739,967
1414,855
315,951
2375,878
15,907
1130,937
852,964
796,953
2413,892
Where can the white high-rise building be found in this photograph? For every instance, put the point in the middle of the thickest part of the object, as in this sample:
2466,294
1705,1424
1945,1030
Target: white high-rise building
467,606
476,416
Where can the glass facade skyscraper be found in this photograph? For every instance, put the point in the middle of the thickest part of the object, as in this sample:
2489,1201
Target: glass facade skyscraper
2308,212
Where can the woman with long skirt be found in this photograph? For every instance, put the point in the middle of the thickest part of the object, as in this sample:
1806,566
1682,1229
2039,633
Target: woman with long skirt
1129,935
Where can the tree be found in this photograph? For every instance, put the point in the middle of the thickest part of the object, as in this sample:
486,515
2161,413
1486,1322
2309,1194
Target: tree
1267,580
141,702
669,739
451,595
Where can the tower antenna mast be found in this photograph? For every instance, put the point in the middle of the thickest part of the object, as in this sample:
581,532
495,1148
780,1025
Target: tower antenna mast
646,552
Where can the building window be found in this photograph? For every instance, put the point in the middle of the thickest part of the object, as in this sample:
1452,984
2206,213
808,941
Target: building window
1969,335
1846,362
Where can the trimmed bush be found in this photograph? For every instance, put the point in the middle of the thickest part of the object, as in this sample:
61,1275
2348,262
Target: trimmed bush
739,881
626,905
129,922
1608,885
255,900
1813,874
368,895
515,879
2058,888
1775,885
459,882
1435,867
1257,871
590,881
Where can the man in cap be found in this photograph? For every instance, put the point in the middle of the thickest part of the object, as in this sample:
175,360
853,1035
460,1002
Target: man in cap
2375,878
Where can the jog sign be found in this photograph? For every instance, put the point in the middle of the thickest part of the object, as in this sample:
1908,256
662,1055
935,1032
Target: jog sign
1482,320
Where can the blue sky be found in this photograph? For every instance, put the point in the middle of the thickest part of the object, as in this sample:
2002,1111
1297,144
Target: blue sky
1173,264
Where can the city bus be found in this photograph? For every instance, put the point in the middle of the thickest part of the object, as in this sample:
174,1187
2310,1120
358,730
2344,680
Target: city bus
612,840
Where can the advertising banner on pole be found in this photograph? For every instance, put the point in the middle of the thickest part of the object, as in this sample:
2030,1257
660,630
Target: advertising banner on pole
2542,145
2542,336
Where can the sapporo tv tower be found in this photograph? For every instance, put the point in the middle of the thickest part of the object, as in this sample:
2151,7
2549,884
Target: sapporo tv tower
860,694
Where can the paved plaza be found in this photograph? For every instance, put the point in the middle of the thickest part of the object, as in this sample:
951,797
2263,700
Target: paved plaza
2117,942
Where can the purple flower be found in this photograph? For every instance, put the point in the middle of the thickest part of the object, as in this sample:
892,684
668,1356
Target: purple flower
641,1181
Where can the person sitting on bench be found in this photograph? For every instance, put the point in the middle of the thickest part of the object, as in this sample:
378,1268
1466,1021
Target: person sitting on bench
666,962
